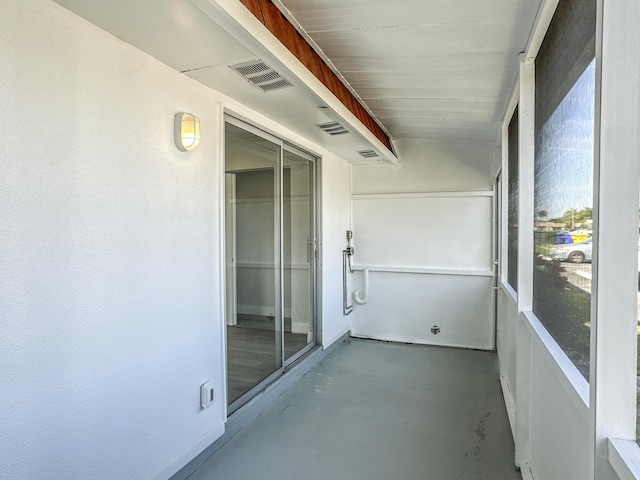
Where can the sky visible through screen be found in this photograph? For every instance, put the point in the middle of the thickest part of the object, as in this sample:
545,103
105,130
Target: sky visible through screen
564,152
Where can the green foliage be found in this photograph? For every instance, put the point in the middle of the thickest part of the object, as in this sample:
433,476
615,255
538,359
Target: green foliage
574,218
564,310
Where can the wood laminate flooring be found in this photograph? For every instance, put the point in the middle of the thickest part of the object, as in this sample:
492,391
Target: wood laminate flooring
252,354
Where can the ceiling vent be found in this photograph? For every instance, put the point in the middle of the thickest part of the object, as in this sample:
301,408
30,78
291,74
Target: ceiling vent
332,128
261,75
368,153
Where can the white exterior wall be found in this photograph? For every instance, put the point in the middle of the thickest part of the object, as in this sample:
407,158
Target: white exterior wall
336,177
111,301
560,432
506,347
425,231
557,429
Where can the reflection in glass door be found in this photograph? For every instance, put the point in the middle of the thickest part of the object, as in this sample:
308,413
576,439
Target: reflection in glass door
270,258
298,252
253,257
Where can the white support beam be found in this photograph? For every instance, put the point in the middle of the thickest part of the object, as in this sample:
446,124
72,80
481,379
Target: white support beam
237,20
526,125
617,152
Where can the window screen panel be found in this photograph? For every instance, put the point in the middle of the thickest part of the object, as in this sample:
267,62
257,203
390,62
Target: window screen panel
563,182
512,202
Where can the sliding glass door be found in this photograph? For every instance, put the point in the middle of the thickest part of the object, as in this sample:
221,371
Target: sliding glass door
298,251
270,257
253,258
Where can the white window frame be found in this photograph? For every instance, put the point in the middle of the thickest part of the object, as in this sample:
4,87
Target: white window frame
504,208
611,394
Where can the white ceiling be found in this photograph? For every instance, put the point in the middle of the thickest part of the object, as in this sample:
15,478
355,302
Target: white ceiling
425,68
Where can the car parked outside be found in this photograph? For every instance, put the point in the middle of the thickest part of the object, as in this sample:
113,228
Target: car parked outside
573,252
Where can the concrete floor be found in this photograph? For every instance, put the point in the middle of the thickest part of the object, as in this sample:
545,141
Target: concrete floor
375,410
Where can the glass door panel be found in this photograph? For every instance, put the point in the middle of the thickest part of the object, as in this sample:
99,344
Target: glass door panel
298,252
253,272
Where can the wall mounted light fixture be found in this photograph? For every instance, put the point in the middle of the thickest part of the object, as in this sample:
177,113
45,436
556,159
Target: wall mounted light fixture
186,131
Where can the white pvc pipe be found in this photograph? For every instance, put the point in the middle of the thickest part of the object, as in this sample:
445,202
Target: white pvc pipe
362,297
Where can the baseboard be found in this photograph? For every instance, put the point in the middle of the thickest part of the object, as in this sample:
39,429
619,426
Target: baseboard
328,343
178,462
256,310
526,473
413,341
261,311
509,403
248,412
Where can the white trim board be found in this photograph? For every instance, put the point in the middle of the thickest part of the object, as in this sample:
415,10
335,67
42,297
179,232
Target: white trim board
624,457
509,403
423,270
392,196
526,473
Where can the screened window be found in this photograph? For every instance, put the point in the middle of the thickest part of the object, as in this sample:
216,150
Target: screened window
563,183
512,203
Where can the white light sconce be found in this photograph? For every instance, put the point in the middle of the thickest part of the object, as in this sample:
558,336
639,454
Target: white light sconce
187,131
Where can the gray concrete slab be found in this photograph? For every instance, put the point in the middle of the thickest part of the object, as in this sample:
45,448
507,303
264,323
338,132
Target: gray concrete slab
375,410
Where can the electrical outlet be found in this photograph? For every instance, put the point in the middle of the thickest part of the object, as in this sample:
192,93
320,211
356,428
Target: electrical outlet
207,395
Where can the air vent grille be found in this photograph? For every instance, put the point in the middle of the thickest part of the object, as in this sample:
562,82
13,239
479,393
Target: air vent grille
367,153
264,78
276,85
251,68
261,75
332,128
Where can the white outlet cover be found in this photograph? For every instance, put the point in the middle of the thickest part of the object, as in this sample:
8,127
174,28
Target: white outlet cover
207,396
